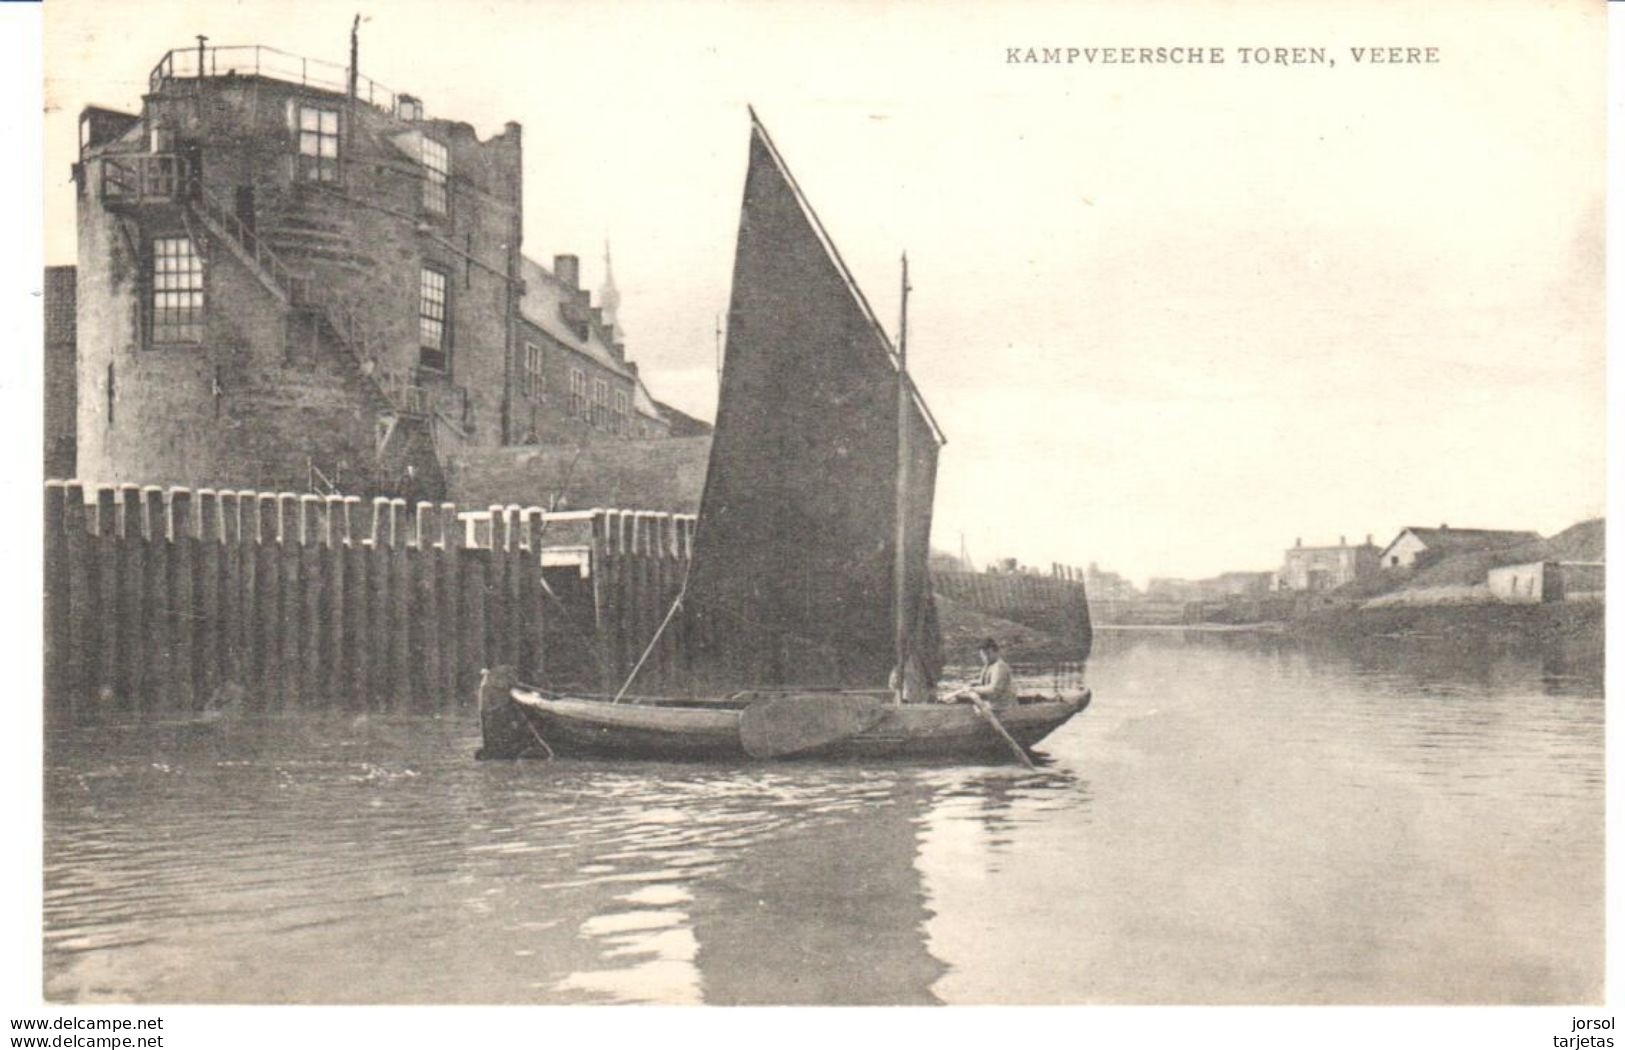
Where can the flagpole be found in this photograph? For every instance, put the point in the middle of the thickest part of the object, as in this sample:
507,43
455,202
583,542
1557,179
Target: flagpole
899,573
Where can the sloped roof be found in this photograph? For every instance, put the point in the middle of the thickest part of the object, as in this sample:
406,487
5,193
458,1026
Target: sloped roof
1455,541
659,474
545,296
1468,566
644,403
682,424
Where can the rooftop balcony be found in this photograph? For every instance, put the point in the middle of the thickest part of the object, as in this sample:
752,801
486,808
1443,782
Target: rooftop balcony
197,63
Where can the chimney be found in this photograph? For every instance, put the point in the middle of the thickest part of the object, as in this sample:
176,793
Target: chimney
1342,541
1368,542
567,268
1299,542
1443,527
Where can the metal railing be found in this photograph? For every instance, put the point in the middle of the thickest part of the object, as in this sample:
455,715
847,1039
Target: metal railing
320,483
142,178
291,283
195,63
449,402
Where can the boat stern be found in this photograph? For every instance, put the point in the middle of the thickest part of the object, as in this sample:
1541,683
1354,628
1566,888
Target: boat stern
505,733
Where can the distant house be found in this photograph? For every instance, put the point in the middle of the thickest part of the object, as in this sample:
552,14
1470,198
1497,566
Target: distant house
1236,584
1172,589
1416,543
1105,585
1545,581
1324,568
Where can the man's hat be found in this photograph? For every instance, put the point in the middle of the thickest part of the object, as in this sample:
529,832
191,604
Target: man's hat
988,643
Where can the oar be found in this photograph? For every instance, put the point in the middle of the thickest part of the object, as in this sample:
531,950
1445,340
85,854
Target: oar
986,711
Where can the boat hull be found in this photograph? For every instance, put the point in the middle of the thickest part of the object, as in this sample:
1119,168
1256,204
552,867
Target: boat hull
937,732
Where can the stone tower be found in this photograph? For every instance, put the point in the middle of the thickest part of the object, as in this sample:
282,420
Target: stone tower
291,277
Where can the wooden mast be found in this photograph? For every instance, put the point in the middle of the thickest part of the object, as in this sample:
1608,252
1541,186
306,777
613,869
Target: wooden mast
900,564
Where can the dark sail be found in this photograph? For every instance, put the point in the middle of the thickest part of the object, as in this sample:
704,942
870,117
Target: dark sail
792,578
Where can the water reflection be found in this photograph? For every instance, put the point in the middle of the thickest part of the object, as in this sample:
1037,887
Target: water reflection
1236,819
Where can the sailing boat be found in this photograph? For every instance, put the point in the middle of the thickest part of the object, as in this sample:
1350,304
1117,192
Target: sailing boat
808,590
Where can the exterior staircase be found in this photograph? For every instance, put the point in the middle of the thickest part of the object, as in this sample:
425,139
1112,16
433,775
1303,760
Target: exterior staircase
297,292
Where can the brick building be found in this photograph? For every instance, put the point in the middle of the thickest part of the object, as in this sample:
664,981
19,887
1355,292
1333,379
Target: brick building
291,277
576,382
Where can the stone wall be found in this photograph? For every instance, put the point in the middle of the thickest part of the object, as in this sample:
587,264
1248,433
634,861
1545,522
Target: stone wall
61,371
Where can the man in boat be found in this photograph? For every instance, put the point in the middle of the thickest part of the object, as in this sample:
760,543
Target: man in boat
997,685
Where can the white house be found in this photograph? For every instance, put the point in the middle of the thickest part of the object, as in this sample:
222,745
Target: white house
1415,542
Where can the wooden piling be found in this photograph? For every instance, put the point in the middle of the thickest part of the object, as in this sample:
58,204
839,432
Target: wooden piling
242,564
268,613
400,610
357,602
81,599
183,598
425,622
473,565
312,599
534,598
155,633
57,591
210,651
378,621
231,592
332,678
106,552
513,627
446,593
496,587
291,600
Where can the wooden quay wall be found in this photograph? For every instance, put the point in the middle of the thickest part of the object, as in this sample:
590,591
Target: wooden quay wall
164,601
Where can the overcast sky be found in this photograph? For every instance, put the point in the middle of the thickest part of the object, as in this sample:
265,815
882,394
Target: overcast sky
1170,316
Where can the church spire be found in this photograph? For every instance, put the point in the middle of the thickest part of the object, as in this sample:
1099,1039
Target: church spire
609,297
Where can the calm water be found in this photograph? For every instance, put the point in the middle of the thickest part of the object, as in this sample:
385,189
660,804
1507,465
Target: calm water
1236,819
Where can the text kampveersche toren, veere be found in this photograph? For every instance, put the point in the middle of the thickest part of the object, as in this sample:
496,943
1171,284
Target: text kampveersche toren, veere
1190,55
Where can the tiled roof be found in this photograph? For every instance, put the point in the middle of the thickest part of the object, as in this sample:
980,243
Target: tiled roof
1452,539
643,402
541,304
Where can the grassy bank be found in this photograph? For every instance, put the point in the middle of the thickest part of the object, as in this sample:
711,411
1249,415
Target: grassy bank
1577,628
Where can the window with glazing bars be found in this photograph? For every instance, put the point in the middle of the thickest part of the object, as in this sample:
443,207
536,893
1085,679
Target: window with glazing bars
623,425
578,393
600,403
177,291
318,144
534,384
436,167
432,318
